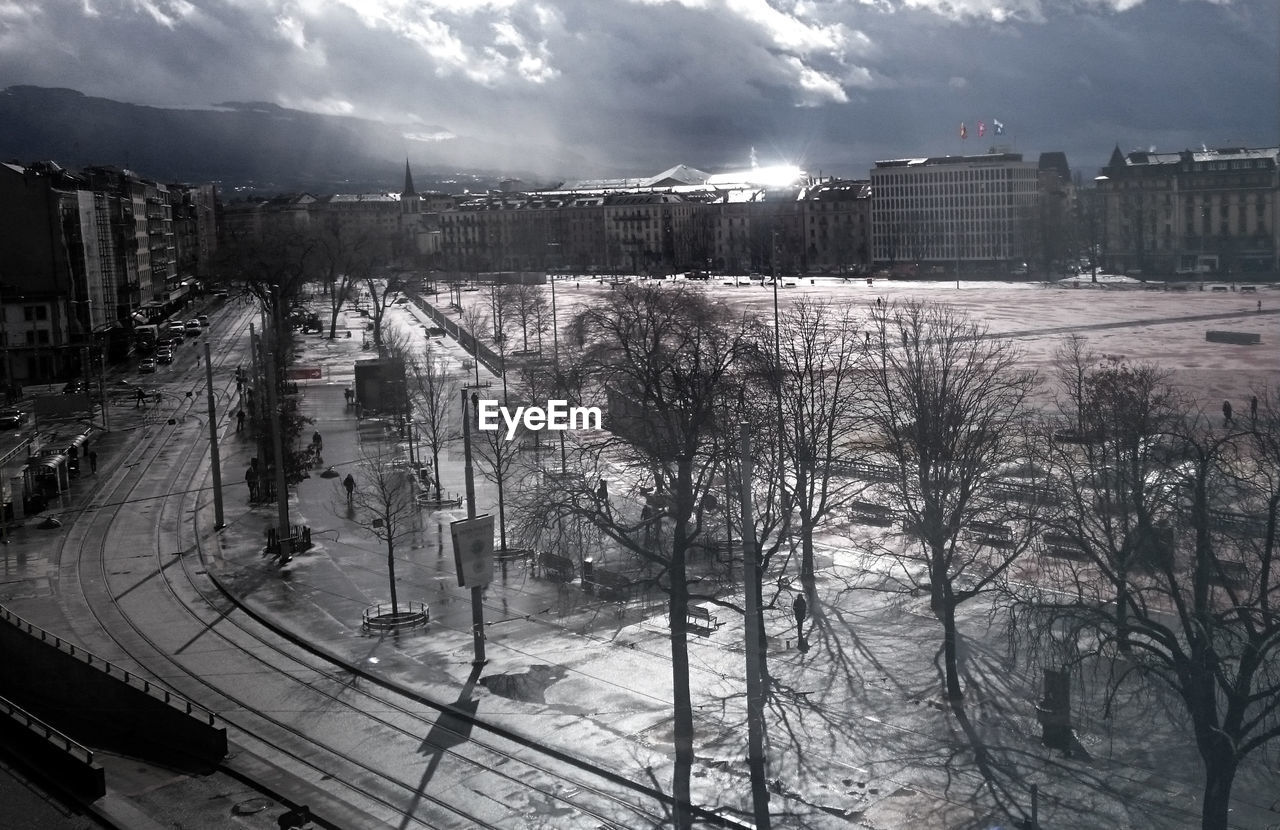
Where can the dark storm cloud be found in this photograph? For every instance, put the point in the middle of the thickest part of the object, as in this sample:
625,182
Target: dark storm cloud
642,85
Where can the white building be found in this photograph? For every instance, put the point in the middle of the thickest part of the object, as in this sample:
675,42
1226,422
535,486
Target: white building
953,212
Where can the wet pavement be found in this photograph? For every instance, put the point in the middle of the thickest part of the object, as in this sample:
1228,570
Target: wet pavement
857,739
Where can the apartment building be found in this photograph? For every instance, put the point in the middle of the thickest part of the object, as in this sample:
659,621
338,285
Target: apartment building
1191,212
82,255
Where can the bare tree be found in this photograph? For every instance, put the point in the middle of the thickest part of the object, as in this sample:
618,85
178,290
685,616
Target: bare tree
819,366
527,308
948,404
434,394
1111,464
346,260
1200,620
663,357
383,291
383,503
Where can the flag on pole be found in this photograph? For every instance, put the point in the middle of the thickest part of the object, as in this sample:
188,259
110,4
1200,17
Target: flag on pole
997,127
964,133
982,129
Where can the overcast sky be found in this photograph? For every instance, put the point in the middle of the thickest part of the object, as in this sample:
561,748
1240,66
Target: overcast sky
640,85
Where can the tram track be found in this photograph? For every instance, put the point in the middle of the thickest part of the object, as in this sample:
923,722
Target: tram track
104,592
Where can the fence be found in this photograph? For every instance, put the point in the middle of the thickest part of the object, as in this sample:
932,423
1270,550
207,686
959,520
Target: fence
488,357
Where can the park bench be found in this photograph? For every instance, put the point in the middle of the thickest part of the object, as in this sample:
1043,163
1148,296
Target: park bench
1022,493
700,620
608,585
1061,546
864,471
1231,573
555,567
1248,289
990,533
870,513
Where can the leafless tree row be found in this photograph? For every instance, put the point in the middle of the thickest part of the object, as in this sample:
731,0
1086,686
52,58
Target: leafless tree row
1121,513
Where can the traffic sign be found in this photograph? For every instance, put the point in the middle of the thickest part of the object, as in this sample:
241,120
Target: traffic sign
473,550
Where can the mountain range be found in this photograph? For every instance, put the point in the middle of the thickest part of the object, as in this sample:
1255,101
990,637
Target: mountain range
256,148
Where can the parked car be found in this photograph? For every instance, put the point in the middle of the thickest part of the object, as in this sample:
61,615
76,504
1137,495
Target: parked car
11,418
146,367
203,319
193,327
164,356
73,387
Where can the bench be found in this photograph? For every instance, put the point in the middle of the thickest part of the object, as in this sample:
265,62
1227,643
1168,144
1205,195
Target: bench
865,471
700,620
555,567
1230,573
1239,338
870,513
990,533
1061,546
1248,289
608,585
1022,493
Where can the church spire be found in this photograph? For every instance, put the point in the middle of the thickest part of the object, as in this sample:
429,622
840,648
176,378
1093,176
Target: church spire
408,181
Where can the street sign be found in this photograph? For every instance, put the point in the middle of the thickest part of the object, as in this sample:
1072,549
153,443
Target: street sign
304,373
473,550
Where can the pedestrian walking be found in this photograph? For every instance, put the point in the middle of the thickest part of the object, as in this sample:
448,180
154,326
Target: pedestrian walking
93,461
139,396
1259,305
1253,411
801,609
239,386
251,478
316,440
348,395
239,420
1226,413
350,484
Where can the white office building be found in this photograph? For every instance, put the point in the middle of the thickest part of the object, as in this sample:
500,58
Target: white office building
953,213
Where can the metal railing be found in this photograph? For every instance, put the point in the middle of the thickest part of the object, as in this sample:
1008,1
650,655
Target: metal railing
38,727
111,669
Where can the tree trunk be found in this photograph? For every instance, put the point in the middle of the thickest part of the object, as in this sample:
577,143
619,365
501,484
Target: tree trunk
682,726
1220,773
950,661
435,469
391,570
807,579
1122,613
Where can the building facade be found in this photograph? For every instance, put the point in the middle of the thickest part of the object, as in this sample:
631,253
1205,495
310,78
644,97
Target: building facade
82,255
961,213
1191,212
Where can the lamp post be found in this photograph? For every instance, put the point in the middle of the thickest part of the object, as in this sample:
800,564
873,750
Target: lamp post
1100,197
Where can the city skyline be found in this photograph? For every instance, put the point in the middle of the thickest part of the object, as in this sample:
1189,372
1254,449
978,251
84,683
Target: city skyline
628,87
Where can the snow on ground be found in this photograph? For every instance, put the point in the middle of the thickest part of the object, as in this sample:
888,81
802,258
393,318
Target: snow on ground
858,736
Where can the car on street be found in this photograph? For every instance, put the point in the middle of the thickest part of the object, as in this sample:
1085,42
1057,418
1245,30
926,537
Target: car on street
11,418
164,356
203,320
73,387
146,367
193,327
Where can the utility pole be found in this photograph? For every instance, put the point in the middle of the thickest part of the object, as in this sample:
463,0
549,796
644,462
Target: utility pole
277,446
214,458
755,684
477,598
